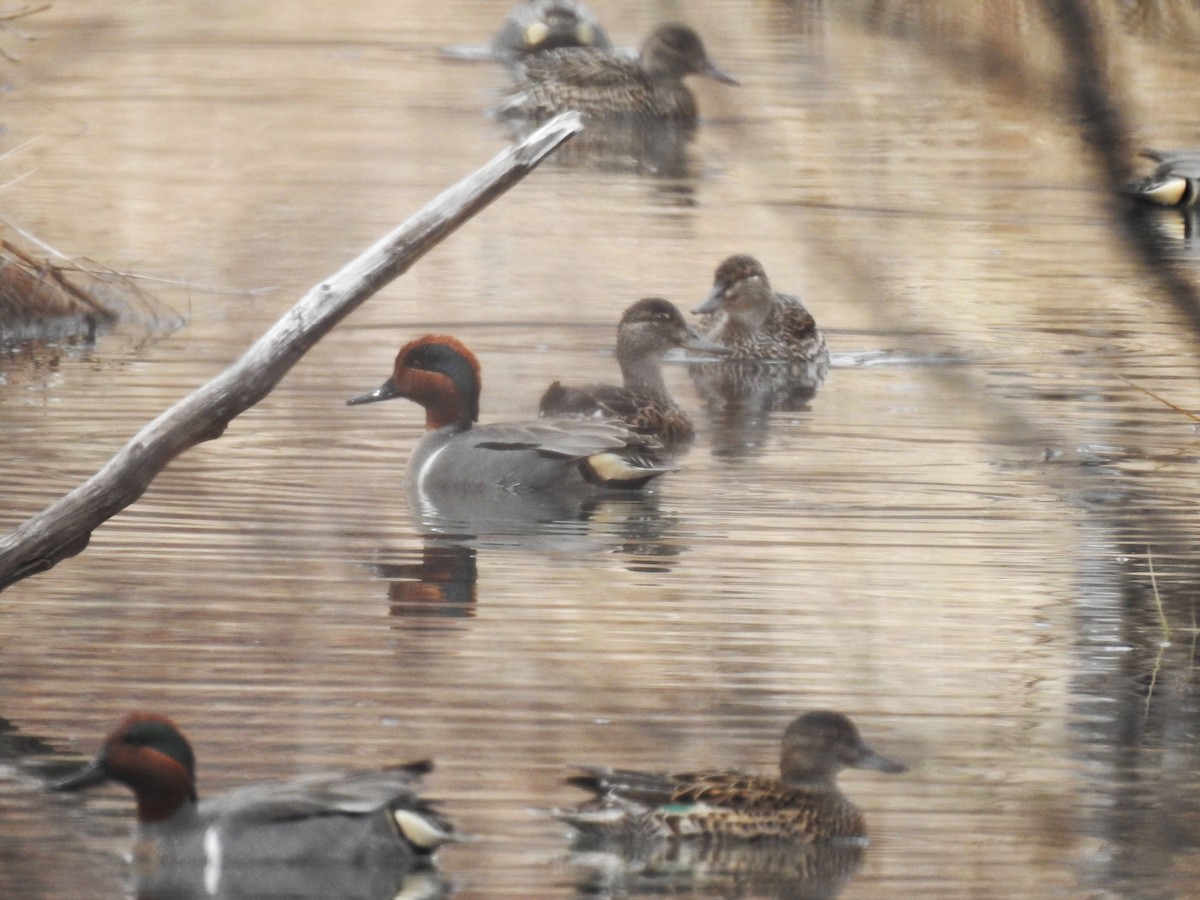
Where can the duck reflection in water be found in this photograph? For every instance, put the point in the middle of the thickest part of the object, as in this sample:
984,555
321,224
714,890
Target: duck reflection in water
630,524
659,149
765,869
777,356
440,585
289,883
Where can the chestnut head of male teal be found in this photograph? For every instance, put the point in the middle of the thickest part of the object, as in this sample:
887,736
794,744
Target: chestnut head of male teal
457,455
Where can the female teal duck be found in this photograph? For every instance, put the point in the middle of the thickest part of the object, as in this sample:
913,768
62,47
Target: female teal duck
647,331
606,86
803,805
1176,181
363,818
537,25
756,323
458,456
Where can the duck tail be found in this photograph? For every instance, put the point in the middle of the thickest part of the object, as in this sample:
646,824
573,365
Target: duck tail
627,469
423,827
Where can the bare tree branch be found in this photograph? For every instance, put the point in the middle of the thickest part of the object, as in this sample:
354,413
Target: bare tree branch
64,528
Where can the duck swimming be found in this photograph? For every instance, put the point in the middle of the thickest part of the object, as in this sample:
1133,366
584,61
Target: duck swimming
360,818
537,25
456,455
755,322
1176,181
605,86
647,331
804,804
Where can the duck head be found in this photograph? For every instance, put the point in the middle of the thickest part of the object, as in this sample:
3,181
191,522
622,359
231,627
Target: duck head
676,50
441,374
653,326
818,745
148,754
742,290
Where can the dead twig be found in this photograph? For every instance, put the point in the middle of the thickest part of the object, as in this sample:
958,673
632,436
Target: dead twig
1163,400
64,528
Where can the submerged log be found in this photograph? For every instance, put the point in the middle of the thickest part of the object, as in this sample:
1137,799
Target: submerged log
64,528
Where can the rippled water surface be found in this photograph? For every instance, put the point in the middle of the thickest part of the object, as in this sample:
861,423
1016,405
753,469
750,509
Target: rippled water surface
977,538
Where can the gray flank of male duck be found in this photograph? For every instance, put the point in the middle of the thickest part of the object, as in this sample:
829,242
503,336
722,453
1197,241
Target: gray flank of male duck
459,458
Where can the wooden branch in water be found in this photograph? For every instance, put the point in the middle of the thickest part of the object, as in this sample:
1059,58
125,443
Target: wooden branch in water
64,528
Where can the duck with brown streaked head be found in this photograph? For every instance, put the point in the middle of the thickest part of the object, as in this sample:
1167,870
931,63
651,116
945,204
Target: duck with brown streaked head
756,322
648,330
605,86
804,804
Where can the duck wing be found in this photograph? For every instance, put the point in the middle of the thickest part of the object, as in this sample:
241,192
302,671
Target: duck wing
356,793
562,438
796,322
581,68
610,401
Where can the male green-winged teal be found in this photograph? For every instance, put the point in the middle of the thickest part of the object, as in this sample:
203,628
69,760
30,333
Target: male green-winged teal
1176,181
458,456
362,818
803,804
605,86
537,25
648,330
757,323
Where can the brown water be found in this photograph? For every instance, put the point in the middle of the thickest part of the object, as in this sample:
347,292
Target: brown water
952,542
